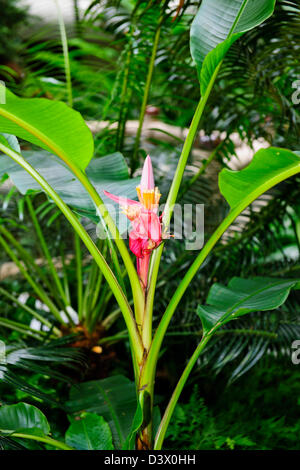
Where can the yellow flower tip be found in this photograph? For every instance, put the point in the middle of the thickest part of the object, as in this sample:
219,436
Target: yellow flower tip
148,197
97,349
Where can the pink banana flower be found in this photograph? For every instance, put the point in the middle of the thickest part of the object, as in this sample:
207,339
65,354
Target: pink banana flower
146,232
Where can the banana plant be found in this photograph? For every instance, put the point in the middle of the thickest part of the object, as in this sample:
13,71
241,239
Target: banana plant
68,148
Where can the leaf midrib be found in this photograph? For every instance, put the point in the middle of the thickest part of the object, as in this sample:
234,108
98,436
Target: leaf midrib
39,135
237,304
242,8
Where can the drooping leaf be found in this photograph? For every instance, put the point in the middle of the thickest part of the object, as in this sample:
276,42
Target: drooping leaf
22,416
109,173
113,398
217,25
51,125
90,432
268,167
240,297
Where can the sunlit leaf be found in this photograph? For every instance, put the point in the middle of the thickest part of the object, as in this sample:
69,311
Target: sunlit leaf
217,25
268,167
51,125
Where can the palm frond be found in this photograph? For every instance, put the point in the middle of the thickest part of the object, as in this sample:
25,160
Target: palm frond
46,359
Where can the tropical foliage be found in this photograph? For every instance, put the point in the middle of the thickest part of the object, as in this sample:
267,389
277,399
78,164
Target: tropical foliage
81,300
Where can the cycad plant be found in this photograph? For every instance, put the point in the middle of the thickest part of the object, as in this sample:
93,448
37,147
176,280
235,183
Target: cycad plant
64,169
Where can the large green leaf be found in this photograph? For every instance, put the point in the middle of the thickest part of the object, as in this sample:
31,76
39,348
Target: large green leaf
90,432
268,167
51,125
22,417
113,398
240,297
109,172
217,25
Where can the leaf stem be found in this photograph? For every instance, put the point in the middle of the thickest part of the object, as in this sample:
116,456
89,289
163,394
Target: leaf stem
145,97
78,259
160,435
64,42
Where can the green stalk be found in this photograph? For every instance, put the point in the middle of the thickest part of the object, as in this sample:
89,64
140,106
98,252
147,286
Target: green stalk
91,295
124,93
108,274
98,313
113,254
145,97
159,438
89,291
96,290
45,439
78,258
64,42
148,314
65,275
30,311
38,289
95,297
46,250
